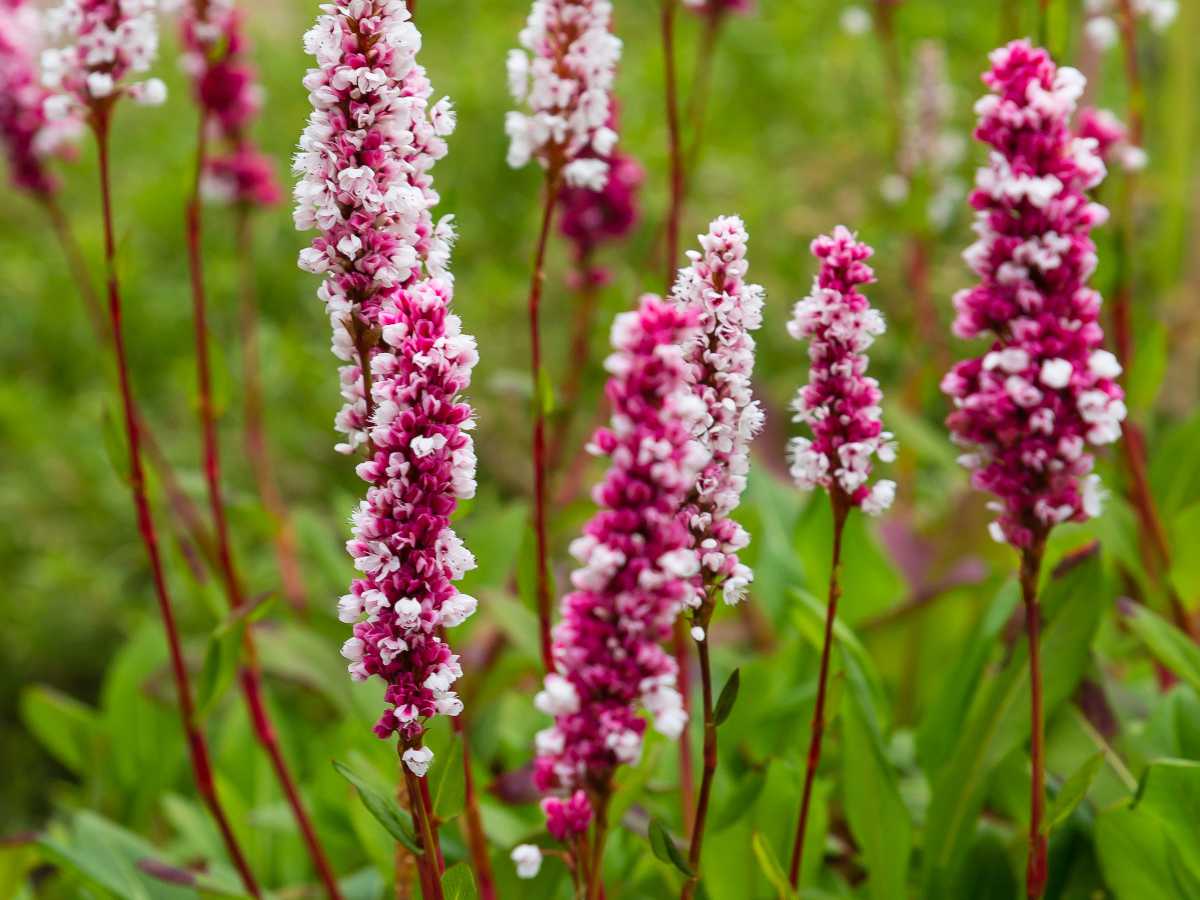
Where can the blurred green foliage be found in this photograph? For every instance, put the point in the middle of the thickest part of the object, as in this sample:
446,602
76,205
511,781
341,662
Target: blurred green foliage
924,783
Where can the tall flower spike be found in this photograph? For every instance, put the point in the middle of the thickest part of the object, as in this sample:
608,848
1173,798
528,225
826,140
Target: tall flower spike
720,359
564,76
365,162
225,84
1026,410
840,403
636,563
29,138
107,42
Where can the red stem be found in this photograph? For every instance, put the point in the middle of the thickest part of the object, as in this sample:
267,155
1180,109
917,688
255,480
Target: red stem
1035,872
254,430
687,765
595,881
675,210
710,757
431,882
840,510
249,677
434,824
539,421
197,748
701,84
476,838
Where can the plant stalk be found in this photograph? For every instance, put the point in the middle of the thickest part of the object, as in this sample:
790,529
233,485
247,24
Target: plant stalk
197,746
595,881
710,754
1035,870
841,508
675,151
431,882
476,838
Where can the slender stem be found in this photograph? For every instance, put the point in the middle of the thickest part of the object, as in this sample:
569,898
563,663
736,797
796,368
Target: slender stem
193,527
249,677
577,361
1043,22
595,883
405,860
701,84
840,510
1035,871
675,209
197,747
476,838
539,420
254,429
434,824
710,756
431,882
687,765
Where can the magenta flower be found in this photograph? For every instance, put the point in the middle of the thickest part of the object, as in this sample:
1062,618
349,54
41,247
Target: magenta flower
636,565
215,55
1027,409
365,164
720,359
1111,137
29,138
564,75
107,42
590,218
840,403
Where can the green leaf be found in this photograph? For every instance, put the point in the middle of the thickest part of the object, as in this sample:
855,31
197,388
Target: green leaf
1176,486
1142,382
665,848
874,807
447,780
1185,567
1166,643
221,659
728,698
998,720
741,804
518,621
70,730
383,807
771,868
1071,794
458,883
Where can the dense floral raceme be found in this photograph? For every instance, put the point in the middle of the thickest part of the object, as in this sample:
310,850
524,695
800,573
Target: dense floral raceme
1112,138
840,403
720,359
564,76
29,137
365,164
422,464
589,218
1027,409
635,574
215,55
106,42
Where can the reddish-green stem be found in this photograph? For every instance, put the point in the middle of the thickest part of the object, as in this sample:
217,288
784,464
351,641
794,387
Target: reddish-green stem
539,419
1035,871
476,838
840,509
595,880
197,747
687,765
701,85
254,430
710,754
249,676
427,863
675,151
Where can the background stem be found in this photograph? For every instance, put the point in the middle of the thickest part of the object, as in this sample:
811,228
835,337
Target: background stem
675,209
710,755
1035,872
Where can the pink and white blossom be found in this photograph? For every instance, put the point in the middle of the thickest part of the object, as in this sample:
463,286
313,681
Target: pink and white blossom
564,76
720,359
1113,144
636,565
1026,410
840,403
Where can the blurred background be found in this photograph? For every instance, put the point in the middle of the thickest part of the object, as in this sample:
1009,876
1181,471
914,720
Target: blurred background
815,118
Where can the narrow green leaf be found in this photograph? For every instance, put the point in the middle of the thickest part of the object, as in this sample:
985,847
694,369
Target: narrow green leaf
771,868
459,884
221,658
728,698
741,804
1071,794
384,808
70,730
447,780
665,848
1167,644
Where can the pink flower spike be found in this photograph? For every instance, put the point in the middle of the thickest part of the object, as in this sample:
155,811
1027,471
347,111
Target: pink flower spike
1026,410
636,563
720,360
840,403
564,76
590,218
30,138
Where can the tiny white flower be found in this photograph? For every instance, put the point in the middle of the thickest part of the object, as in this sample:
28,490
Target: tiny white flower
528,860
418,760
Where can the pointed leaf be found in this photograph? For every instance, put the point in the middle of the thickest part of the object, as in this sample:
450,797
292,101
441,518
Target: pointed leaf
728,698
1071,794
771,868
665,848
384,808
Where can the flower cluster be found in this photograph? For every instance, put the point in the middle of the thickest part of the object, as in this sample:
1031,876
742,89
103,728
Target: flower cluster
365,163
215,55
564,75
589,218
1111,137
106,42
29,137
840,403
1102,30
423,462
720,359
1027,408
635,574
